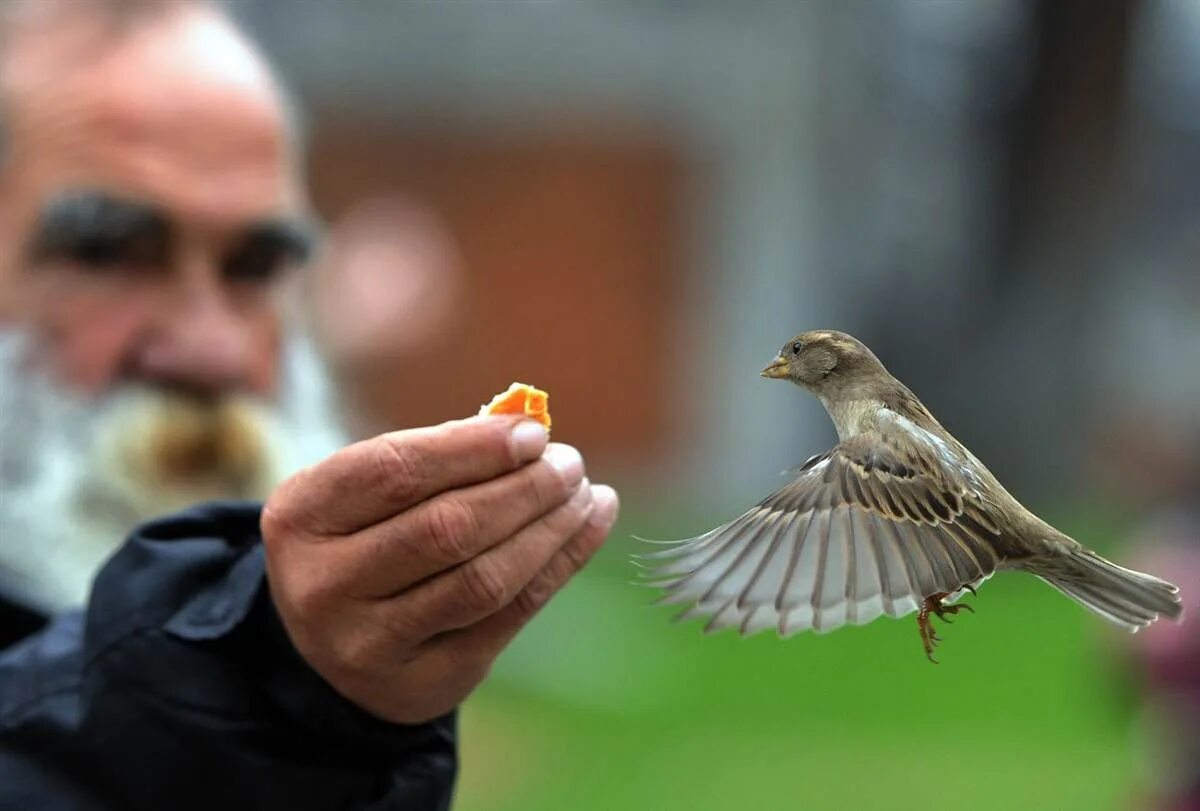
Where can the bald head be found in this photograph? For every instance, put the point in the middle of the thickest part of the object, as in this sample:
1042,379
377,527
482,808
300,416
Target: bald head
107,62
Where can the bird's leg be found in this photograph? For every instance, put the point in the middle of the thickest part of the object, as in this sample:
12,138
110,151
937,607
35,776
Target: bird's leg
929,637
933,605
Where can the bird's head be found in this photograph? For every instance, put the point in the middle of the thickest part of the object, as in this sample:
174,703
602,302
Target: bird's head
830,364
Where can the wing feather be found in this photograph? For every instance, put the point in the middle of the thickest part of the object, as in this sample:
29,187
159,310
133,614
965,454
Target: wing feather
872,527
747,554
765,582
802,525
829,604
865,589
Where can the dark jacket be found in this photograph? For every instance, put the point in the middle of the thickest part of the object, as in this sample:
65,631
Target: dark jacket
178,688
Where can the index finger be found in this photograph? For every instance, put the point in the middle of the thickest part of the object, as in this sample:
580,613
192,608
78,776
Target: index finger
377,478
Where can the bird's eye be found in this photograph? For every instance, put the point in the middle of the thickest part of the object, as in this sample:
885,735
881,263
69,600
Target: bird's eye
796,347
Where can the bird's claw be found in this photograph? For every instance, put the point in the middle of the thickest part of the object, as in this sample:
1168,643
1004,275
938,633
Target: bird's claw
941,609
934,605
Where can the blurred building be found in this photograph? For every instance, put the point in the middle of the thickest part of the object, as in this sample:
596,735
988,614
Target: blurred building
649,199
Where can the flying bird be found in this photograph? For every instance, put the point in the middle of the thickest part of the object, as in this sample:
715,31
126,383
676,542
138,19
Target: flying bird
898,517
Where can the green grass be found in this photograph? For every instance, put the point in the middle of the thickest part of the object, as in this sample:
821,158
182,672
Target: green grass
604,703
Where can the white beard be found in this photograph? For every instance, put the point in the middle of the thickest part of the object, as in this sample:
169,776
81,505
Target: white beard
76,474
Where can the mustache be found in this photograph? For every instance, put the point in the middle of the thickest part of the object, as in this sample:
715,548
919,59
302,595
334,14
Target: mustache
165,438
154,451
143,439
162,439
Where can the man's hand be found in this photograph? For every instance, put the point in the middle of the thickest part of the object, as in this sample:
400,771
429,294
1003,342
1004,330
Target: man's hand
402,565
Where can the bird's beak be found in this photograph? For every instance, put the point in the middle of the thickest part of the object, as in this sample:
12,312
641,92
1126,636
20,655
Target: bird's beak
776,368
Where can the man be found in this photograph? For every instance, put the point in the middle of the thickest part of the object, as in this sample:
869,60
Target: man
306,654
147,240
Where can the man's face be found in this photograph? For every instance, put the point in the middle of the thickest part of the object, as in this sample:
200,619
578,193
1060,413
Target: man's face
150,207
150,220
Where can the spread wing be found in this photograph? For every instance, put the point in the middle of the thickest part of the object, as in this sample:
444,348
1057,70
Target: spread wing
872,527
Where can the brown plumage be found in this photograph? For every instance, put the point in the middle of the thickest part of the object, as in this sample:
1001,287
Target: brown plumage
898,517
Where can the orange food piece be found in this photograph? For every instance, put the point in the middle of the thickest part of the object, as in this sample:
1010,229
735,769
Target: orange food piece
521,398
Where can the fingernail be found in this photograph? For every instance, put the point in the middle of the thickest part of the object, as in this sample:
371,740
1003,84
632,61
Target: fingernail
528,440
604,505
567,461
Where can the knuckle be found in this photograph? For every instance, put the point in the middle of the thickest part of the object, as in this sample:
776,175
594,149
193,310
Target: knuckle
573,558
549,488
569,561
311,597
473,666
568,518
534,596
483,588
450,526
562,567
542,488
376,642
280,517
477,671
401,465
462,667
358,652
273,523
583,548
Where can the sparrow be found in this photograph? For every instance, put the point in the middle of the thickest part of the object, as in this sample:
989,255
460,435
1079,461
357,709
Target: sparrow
898,517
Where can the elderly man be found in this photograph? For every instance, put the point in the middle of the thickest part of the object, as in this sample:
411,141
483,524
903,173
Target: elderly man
309,653
150,220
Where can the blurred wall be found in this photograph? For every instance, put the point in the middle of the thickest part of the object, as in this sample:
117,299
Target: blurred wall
988,193
569,245
724,98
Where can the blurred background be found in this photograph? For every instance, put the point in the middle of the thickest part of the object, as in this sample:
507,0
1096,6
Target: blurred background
634,205
644,201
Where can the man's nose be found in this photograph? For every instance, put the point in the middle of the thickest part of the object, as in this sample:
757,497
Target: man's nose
202,345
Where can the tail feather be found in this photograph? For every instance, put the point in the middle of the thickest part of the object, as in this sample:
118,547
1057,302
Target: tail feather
1102,604
1122,596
